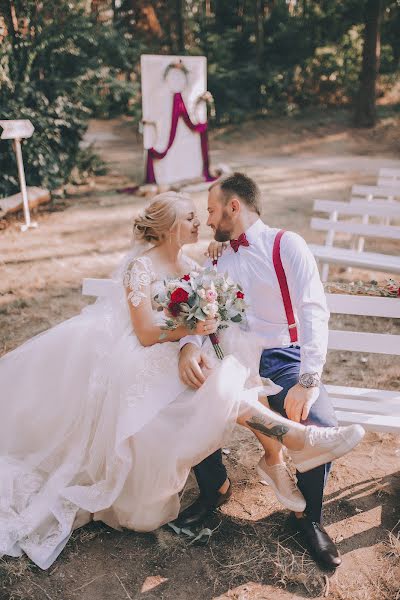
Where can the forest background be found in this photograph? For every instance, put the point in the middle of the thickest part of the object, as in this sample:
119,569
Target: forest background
66,61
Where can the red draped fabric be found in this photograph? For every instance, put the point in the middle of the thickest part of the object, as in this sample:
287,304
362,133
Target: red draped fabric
179,110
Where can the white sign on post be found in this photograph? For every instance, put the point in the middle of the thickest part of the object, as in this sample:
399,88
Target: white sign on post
18,129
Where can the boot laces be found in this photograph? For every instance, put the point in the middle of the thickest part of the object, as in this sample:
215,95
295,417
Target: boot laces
321,434
293,482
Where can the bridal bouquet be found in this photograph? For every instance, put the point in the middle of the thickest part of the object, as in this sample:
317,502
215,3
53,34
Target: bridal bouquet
197,296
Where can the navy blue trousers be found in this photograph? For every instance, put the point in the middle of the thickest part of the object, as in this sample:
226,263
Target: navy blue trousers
282,365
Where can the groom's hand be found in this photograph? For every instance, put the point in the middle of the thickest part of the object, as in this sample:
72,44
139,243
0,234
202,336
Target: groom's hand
191,363
298,402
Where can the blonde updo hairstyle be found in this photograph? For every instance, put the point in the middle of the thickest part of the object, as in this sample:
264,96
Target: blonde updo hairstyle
160,217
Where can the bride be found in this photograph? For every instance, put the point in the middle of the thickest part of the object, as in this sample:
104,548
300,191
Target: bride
94,420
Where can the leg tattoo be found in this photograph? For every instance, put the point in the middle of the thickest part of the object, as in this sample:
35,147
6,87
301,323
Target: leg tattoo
276,431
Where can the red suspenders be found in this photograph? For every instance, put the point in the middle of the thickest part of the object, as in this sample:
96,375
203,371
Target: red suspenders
280,273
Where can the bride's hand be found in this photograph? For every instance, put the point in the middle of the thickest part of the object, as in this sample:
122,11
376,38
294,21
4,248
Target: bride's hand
215,249
206,327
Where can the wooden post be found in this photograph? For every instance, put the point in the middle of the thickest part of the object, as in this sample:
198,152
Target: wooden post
22,183
16,130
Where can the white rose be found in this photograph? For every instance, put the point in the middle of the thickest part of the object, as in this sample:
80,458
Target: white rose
211,309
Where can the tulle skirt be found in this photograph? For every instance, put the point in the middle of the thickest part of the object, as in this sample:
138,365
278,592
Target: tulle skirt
94,425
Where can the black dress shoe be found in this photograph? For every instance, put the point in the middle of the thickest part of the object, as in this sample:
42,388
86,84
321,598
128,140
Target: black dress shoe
317,541
201,508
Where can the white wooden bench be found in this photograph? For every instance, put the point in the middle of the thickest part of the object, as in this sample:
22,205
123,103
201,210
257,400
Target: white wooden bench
389,177
375,409
378,410
98,287
356,257
378,194
375,192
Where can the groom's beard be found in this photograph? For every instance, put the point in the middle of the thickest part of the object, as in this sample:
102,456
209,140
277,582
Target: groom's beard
221,235
223,232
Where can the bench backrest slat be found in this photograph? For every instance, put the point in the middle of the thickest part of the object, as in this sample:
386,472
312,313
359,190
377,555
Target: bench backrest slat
389,177
379,343
373,192
365,229
367,394
379,208
98,287
370,306
355,341
378,408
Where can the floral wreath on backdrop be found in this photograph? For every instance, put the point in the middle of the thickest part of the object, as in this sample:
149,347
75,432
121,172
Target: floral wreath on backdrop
176,65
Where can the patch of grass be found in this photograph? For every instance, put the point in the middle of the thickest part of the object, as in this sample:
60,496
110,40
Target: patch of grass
253,553
12,573
384,578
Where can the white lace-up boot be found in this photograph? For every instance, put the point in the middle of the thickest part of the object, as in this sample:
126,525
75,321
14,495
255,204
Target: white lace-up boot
283,483
324,444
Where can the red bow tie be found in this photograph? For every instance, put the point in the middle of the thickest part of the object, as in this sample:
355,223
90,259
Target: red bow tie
241,241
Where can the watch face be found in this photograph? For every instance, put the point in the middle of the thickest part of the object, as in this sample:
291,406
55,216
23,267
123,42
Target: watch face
309,380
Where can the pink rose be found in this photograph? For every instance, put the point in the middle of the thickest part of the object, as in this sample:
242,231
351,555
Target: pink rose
211,295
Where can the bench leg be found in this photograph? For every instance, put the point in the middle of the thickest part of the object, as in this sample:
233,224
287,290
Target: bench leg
325,272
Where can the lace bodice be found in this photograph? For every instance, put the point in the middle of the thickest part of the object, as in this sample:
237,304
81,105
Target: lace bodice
139,274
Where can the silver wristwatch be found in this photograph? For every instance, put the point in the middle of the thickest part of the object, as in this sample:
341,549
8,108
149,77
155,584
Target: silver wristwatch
309,380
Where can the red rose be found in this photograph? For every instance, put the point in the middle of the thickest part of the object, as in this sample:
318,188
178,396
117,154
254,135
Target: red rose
174,309
179,295
393,289
239,295
186,278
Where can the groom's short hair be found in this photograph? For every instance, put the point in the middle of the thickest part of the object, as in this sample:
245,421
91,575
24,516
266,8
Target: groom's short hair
238,184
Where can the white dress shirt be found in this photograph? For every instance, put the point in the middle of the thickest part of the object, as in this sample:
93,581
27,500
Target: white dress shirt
252,267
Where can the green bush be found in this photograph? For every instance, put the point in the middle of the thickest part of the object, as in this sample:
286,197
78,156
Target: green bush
60,69
51,153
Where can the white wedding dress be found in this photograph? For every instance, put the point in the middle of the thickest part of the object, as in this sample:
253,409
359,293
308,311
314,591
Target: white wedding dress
95,426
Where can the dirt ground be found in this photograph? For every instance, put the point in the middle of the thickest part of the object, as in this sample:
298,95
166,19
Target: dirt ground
251,555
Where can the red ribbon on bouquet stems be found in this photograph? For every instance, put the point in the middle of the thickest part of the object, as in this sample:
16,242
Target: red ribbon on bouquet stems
179,110
215,342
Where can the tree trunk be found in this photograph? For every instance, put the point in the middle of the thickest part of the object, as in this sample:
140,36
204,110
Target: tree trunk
259,35
259,22
365,108
207,9
180,26
10,19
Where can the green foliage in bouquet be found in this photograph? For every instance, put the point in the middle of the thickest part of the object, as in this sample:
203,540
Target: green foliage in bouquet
201,295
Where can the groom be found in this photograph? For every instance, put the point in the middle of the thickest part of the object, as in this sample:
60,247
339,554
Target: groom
287,309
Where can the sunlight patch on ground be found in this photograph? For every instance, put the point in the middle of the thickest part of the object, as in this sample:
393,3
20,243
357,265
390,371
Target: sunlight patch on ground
257,591
152,582
355,524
